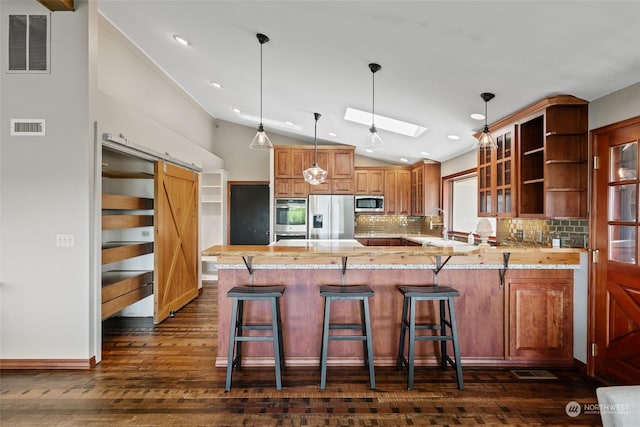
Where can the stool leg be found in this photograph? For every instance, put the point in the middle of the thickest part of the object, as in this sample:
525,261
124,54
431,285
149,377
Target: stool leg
443,332
369,352
232,339
239,333
412,343
403,332
325,343
276,341
281,341
363,331
456,347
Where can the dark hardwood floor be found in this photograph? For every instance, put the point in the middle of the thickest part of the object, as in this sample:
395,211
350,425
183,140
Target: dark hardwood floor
164,376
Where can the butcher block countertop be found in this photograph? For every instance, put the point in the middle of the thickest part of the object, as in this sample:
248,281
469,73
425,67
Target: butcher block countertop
461,254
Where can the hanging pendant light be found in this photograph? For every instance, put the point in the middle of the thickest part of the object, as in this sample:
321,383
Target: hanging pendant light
261,141
375,142
486,140
315,175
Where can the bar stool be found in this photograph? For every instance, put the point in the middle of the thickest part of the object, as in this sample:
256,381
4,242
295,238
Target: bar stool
240,294
355,293
412,295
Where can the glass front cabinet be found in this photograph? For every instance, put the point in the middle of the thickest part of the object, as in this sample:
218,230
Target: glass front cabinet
496,176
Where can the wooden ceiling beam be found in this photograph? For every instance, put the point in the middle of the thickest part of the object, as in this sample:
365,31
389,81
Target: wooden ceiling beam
58,5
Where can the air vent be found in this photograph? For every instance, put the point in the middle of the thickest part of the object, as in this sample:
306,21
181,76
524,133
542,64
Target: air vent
27,127
28,43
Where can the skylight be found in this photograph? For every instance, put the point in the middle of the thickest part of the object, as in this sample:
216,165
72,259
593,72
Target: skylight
382,122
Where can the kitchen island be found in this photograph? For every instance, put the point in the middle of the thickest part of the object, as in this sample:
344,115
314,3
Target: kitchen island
515,308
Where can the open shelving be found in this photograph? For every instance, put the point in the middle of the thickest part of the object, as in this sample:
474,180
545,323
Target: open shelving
127,231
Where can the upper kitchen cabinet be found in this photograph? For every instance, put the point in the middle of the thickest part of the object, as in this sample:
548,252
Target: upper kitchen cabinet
291,160
425,187
369,180
540,168
553,160
497,177
397,191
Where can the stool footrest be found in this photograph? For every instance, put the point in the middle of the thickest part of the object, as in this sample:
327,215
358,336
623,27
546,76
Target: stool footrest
345,326
347,338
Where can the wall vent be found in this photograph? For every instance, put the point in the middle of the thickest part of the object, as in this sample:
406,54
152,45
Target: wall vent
28,40
27,127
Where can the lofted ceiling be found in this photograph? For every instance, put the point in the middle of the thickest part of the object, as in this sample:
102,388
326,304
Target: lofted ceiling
437,57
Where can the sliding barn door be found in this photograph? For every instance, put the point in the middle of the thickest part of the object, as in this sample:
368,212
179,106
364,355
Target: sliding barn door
616,235
176,239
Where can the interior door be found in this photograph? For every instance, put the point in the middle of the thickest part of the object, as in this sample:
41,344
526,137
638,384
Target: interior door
176,239
615,235
249,214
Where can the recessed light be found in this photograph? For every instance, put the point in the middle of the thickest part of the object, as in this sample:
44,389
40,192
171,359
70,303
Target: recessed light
236,110
288,123
453,137
215,84
382,122
424,153
402,159
477,116
181,40
368,150
332,134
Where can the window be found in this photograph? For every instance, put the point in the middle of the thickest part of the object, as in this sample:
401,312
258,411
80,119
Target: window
460,195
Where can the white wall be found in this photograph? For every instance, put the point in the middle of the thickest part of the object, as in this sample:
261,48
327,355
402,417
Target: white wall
243,163
49,296
46,308
615,107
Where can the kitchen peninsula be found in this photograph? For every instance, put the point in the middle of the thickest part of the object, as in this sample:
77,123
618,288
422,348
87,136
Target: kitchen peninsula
515,308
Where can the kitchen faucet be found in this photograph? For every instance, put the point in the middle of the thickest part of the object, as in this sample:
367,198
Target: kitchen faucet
437,211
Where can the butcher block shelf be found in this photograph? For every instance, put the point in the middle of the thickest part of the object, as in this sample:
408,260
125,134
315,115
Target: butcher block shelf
121,288
120,251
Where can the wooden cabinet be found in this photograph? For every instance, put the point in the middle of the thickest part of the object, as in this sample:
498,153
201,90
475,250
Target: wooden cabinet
540,167
290,161
553,161
369,181
496,177
425,187
397,191
540,319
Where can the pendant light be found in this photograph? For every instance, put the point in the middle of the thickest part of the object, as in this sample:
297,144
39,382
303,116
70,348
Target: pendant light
261,141
315,175
486,141
375,142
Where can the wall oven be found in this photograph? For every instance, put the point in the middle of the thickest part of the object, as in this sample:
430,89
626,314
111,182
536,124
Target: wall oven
291,219
369,204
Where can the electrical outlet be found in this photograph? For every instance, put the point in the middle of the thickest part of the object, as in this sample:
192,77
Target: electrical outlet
146,233
519,235
539,236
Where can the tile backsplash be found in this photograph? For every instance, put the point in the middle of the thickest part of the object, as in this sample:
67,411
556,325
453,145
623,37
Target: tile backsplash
535,232
392,224
539,232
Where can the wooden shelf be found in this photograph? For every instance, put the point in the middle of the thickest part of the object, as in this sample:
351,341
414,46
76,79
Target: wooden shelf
533,181
119,201
534,151
125,174
118,282
116,222
119,251
566,161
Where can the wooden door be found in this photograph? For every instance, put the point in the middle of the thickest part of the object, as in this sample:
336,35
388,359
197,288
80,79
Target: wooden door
176,239
615,231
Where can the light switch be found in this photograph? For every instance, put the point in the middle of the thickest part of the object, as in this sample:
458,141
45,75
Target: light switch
65,240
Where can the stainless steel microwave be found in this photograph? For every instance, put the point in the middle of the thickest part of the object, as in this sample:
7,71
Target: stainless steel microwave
369,204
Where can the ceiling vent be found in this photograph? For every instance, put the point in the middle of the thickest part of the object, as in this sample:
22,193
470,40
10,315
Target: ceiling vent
27,127
29,43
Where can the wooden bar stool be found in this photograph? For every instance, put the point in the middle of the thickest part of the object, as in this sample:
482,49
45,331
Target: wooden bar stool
413,295
240,294
355,293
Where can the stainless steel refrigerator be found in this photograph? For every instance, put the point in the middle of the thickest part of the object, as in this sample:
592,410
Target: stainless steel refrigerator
331,217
